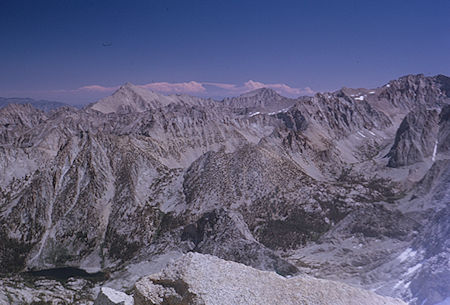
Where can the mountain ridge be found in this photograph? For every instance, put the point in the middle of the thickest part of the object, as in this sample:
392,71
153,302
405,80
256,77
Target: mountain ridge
287,185
39,104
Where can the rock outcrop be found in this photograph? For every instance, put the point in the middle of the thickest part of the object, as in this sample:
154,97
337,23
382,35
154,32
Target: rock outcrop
416,138
109,296
444,130
197,279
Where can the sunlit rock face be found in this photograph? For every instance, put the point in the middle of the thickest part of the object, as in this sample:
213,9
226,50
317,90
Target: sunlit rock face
109,296
203,279
416,138
338,185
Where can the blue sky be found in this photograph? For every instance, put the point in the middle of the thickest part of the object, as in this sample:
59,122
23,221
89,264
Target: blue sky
77,51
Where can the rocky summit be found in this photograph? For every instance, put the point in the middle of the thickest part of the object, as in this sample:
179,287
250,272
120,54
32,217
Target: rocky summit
351,187
208,280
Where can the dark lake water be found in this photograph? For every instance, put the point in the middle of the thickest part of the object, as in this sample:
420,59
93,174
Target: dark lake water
65,273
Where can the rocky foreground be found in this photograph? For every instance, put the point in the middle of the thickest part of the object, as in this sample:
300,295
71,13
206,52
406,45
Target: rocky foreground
198,279
204,279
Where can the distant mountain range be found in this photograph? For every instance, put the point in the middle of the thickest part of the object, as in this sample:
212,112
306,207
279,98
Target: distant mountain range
350,186
43,105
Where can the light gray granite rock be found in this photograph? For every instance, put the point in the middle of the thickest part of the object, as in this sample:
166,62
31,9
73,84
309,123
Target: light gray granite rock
109,296
207,280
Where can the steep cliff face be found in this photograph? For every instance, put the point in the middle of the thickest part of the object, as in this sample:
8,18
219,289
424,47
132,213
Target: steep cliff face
422,134
444,130
416,138
279,184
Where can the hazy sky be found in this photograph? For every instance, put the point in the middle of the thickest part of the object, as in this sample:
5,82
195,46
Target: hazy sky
77,51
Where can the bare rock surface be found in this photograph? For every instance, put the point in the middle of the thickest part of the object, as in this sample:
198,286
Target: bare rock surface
109,296
207,280
416,138
17,290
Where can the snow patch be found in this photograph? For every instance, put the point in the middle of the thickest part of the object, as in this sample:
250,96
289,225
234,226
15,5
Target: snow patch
371,132
361,134
413,269
360,98
371,92
253,114
402,283
408,253
280,111
433,158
